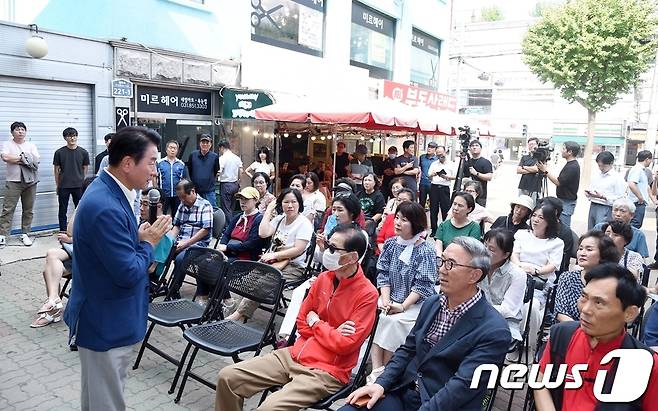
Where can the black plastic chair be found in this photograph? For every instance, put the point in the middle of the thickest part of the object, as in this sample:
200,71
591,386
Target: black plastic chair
357,380
68,276
159,287
218,224
207,265
256,281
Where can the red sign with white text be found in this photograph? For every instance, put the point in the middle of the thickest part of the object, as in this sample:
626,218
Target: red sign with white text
415,96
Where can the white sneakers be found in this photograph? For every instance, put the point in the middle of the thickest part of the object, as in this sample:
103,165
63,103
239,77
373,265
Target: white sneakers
26,240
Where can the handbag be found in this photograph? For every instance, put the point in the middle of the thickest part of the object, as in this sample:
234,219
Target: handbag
277,246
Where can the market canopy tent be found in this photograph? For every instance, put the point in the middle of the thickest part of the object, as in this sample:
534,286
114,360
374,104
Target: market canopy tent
383,114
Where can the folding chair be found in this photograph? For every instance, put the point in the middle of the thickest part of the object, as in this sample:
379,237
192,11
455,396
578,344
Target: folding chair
218,224
209,266
158,281
68,276
357,380
520,347
256,281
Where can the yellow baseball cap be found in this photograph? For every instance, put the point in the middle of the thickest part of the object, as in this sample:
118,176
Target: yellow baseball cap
247,193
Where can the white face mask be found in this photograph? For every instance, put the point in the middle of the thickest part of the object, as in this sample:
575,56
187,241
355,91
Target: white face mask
392,156
330,260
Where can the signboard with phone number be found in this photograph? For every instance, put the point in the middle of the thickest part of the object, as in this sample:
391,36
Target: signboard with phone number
162,100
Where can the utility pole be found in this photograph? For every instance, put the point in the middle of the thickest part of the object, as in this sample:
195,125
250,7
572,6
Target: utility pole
652,121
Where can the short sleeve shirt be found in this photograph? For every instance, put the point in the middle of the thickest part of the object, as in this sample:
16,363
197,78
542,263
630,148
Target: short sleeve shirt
287,234
447,232
569,289
10,147
639,177
482,166
530,181
229,165
71,164
402,161
569,180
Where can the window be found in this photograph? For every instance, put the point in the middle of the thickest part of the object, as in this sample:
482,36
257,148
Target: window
478,102
372,40
425,53
292,24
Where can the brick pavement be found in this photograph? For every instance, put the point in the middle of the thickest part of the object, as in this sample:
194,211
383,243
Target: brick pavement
39,372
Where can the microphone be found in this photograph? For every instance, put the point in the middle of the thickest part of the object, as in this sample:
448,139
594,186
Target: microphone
154,199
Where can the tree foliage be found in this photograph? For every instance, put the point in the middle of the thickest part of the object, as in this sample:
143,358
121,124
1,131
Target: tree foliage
492,13
593,50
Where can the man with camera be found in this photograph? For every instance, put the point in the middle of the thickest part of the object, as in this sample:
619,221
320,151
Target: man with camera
479,169
567,181
530,182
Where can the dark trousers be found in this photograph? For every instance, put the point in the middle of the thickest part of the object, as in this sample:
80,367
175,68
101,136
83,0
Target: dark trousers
439,200
63,199
423,193
638,217
171,205
227,192
402,399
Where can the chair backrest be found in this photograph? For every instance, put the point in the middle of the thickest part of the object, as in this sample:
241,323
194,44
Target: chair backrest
644,276
204,264
529,289
360,375
218,223
257,281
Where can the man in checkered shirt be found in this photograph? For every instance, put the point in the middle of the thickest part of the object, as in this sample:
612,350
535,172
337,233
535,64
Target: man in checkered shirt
192,226
455,332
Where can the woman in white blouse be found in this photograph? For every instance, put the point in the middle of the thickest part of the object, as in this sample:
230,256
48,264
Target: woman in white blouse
264,164
315,203
538,251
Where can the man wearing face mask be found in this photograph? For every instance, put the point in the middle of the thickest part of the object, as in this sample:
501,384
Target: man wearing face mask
334,321
389,171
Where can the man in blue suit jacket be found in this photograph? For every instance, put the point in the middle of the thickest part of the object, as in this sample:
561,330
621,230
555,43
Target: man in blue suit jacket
455,332
107,312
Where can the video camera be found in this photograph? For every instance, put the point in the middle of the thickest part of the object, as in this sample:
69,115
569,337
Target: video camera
465,139
543,152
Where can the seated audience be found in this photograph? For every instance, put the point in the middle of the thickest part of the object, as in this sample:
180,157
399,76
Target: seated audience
504,286
623,209
163,248
372,200
650,329
291,233
517,219
611,299
51,310
406,275
261,182
333,323
564,232
594,248
298,182
192,226
455,332
479,213
538,251
345,209
458,223
240,240
397,184
344,186
388,227
621,234
315,203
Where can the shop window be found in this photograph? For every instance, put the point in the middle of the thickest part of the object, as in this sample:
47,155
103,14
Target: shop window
425,53
292,24
373,35
478,102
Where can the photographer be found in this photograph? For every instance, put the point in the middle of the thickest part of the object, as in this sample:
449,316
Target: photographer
530,182
479,169
567,181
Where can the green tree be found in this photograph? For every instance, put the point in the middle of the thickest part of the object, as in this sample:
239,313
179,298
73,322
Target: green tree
593,51
492,13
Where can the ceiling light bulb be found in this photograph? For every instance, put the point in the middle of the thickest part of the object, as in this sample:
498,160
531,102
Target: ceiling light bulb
245,128
299,136
286,135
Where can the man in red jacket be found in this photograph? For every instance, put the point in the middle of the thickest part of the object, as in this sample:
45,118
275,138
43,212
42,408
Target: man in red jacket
334,321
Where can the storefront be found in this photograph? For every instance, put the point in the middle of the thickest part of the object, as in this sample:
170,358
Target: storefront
373,38
607,137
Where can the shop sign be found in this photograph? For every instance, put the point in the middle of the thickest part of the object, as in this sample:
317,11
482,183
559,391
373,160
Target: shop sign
164,100
121,117
122,88
425,42
366,17
243,103
415,96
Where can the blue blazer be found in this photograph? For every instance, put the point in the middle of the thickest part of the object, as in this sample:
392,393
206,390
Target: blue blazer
444,372
108,307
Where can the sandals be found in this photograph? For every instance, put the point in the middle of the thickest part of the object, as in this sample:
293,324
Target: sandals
50,305
47,318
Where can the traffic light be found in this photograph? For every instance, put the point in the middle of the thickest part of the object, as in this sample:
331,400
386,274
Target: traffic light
524,132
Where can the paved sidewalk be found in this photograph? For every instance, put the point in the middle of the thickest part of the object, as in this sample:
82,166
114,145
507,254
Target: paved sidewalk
40,373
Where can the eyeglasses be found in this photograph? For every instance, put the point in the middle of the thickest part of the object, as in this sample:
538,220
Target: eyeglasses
332,248
449,264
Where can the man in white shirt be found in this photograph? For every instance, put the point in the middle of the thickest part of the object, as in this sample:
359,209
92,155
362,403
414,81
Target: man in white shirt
440,173
606,187
638,186
230,168
22,160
